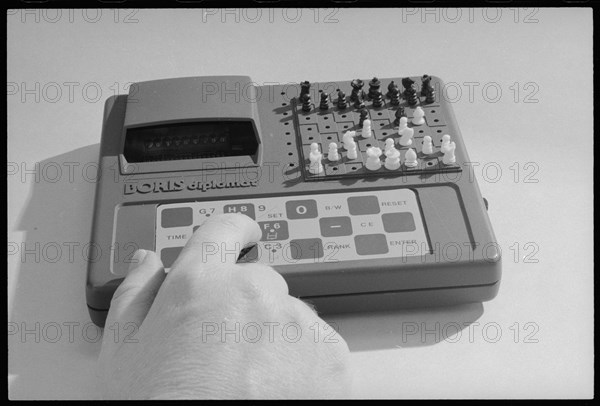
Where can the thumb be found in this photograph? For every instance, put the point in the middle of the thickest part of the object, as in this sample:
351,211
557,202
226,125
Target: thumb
134,297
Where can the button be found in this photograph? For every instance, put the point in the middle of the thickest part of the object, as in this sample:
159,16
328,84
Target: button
301,209
179,217
244,208
363,205
371,244
169,255
335,226
274,230
308,248
398,222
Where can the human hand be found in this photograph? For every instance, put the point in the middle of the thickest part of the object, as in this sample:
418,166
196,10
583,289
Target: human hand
211,328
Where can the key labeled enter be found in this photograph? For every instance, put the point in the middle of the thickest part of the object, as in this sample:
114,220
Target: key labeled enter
274,230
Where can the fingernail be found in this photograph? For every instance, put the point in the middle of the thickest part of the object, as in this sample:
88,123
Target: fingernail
137,258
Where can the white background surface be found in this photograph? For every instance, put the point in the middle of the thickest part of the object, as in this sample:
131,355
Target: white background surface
548,283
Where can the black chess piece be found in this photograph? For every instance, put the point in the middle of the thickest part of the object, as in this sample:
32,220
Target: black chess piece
324,104
399,113
341,101
395,96
304,89
357,86
378,99
407,83
426,85
307,103
411,97
364,114
428,91
374,86
391,88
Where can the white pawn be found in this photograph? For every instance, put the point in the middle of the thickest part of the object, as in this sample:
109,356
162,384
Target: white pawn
410,158
366,129
373,163
352,150
389,144
418,116
347,137
316,167
406,137
392,160
403,124
333,154
427,145
449,157
445,142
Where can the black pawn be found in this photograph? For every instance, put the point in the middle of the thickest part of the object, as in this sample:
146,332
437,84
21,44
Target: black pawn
341,101
411,97
391,88
378,99
357,86
374,86
395,97
399,113
304,89
306,103
430,96
324,105
364,114
426,85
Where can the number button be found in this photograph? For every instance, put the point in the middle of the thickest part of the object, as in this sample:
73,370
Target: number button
301,209
244,208
274,230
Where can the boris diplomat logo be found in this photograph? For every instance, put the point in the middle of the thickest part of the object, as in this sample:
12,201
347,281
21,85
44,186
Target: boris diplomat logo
157,186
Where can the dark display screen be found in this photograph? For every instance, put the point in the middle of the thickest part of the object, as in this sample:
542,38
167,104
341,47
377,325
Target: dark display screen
190,141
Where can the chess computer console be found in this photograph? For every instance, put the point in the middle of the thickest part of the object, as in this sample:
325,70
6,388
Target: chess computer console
363,190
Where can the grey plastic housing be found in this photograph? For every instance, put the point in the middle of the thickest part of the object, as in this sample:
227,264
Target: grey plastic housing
463,266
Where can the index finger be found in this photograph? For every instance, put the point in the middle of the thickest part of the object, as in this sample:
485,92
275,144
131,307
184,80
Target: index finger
218,241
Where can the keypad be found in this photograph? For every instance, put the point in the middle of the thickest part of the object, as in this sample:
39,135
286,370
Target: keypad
328,227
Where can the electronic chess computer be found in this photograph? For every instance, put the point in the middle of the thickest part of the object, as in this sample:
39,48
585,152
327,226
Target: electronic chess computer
363,190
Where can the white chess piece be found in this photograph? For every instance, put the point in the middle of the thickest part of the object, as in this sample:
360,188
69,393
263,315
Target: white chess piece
373,163
445,142
449,157
316,167
389,144
392,160
366,129
352,150
348,135
418,116
410,158
333,155
403,124
406,137
427,145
